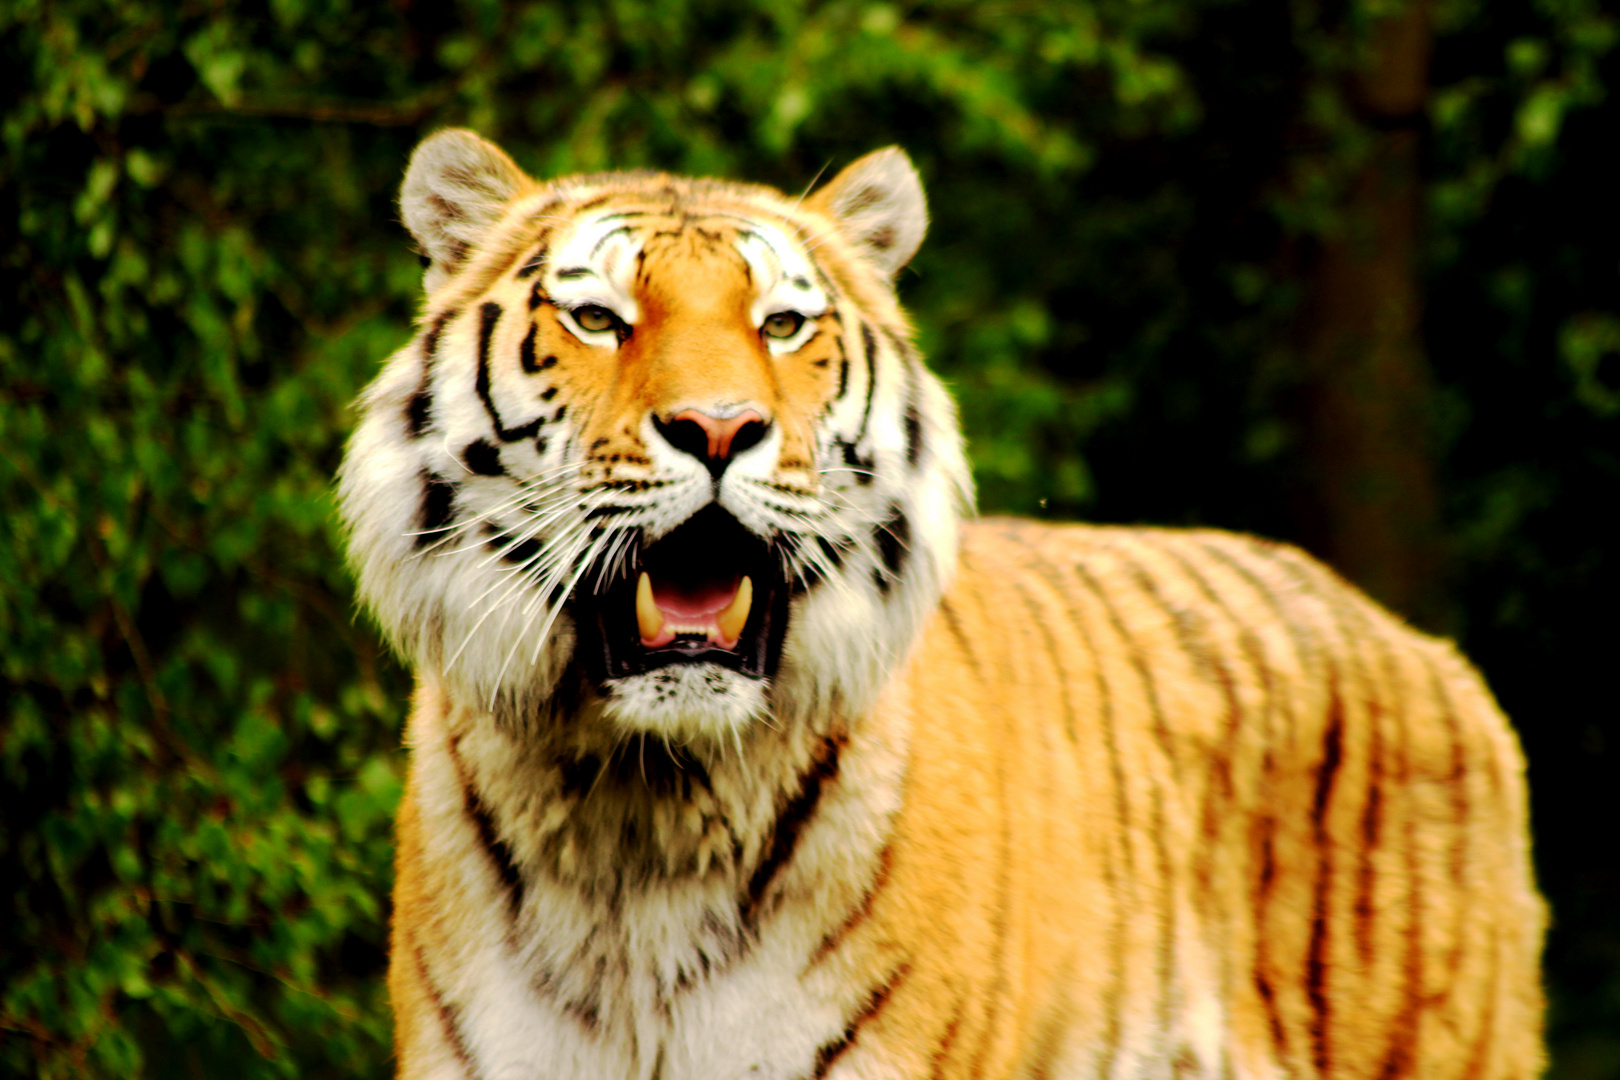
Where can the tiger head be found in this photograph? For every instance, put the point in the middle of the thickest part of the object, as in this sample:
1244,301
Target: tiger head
661,448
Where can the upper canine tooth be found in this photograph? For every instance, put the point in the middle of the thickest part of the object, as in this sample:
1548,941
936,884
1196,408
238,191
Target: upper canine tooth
735,616
648,617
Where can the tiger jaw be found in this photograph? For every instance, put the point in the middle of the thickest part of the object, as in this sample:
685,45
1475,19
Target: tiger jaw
709,592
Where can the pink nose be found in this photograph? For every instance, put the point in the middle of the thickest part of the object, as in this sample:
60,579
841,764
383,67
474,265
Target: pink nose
733,433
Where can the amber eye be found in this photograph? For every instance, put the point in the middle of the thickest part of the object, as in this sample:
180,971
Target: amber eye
594,318
783,324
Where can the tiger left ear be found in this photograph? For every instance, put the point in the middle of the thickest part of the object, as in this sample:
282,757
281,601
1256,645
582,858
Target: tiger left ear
457,186
879,206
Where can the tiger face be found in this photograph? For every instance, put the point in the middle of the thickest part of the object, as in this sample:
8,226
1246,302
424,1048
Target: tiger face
661,449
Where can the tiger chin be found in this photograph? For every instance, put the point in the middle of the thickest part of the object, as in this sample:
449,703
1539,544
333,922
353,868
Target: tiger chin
741,749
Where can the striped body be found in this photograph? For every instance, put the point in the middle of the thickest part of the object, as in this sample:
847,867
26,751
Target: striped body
903,794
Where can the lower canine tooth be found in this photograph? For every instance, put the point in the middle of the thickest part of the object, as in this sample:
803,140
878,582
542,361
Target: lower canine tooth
735,616
648,617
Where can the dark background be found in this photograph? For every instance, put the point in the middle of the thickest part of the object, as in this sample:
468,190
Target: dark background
1346,274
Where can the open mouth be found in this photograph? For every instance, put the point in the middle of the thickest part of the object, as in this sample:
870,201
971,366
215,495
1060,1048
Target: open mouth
708,592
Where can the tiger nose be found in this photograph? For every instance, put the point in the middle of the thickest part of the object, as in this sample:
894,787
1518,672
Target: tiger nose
713,440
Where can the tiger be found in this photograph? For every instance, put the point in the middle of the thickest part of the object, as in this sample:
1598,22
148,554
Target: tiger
741,747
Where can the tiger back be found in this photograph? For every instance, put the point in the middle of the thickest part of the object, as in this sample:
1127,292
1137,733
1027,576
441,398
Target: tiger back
740,750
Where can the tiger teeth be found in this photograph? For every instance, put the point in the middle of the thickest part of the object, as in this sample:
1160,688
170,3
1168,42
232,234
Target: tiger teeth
648,617
735,616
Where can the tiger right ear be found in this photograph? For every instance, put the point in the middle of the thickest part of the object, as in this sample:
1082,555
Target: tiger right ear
456,186
879,206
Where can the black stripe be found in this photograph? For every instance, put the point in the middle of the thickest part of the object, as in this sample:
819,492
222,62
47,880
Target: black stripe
535,262
526,351
449,1015
913,419
1232,729
418,412
1038,618
1404,1036
791,821
947,612
869,347
483,821
587,1012
514,551
1457,858
893,537
483,458
419,407
1372,814
1265,880
1193,639
1321,900
862,911
1487,1024
436,509
947,1039
1133,651
873,1005
1219,800
602,240
489,315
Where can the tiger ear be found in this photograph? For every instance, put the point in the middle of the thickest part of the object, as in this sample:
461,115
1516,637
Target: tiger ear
879,206
456,186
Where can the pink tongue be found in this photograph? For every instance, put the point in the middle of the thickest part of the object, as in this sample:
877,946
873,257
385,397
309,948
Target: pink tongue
694,604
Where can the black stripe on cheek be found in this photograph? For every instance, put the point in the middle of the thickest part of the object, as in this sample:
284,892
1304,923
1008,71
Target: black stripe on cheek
869,345
516,552
483,458
859,466
526,356
526,351
418,412
913,434
490,314
436,508
419,409
913,418
893,538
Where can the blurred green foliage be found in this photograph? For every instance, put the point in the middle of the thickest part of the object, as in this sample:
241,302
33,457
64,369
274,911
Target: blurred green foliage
201,266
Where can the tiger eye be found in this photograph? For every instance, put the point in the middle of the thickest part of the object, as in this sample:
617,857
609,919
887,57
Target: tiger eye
594,318
783,324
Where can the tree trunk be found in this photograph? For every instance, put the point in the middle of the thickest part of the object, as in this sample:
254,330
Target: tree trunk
1369,504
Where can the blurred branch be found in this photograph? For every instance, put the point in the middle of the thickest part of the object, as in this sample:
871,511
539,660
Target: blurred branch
379,114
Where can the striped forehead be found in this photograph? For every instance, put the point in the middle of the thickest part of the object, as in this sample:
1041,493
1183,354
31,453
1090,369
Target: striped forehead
596,262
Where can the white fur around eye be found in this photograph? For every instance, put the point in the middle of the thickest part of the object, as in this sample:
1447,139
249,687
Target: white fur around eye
801,337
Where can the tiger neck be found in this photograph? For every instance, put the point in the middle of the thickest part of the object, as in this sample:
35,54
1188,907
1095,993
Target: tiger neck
562,796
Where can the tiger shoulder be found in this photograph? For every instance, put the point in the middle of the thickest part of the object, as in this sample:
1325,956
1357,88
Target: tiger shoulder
741,748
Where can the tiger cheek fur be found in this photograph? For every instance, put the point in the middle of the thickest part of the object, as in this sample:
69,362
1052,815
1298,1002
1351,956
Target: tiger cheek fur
739,750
